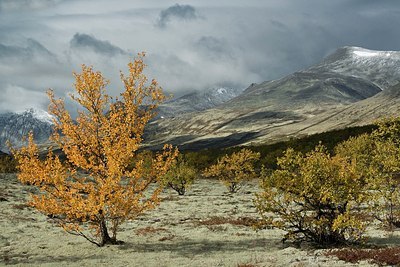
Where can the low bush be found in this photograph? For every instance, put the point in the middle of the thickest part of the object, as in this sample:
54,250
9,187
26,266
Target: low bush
7,164
233,170
180,176
314,197
377,159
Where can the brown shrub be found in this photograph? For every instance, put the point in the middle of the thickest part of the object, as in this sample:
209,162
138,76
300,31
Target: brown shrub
166,238
149,230
20,206
380,256
246,265
241,221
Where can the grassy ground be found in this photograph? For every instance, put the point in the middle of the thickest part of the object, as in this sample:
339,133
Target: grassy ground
206,227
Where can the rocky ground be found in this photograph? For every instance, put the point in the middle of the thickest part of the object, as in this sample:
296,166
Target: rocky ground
206,227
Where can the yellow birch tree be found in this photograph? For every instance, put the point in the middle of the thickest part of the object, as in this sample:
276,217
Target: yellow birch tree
94,191
233,170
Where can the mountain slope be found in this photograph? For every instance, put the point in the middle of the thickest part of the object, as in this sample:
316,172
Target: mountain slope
197,101
353,86
348,76
14,126
384,104
306,88
380,67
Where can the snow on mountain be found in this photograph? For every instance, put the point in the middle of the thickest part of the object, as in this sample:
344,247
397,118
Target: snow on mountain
221,91
197,101
271,110
276,109
15,126
379,67
367,53
39,114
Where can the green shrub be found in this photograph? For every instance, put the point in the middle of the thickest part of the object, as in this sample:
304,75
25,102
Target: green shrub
180,176
314,197
7,164
377,158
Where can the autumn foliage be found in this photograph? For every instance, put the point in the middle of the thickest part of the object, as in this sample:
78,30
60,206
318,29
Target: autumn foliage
180,176
94,191
233,170
314,197
329,199
377,157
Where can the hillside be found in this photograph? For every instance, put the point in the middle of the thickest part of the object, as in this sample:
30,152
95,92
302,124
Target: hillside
197,101
351,87
294,105
14,126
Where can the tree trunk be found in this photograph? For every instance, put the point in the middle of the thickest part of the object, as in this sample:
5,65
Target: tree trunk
104,236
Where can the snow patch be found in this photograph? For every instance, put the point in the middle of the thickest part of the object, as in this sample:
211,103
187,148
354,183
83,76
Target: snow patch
221,91
43,116
365,53
40,115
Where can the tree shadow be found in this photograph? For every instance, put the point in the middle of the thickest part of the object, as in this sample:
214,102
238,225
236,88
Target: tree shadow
391,240
36,259
189,247
188,142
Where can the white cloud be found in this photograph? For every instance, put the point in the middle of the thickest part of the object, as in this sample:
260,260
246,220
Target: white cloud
18,5
216,43
17,99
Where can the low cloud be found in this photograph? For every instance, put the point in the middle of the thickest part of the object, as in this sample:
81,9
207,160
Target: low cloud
33,48
180,12
214,48
15,99
239,42
85,41
16,5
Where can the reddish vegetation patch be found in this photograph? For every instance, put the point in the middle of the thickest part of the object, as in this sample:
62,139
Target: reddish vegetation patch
149,230
20,206
241,221
166,238
381,256
246,265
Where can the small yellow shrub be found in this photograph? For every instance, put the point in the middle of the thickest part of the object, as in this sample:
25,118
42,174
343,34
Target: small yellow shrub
233,170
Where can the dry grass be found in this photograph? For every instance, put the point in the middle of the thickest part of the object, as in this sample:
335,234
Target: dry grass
380,256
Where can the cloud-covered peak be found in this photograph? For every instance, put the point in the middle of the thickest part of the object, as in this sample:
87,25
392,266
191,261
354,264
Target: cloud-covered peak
181,12
85,41
33,48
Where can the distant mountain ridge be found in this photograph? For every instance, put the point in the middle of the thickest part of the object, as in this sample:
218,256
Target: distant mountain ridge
380,67
14,126
353,86
276,109
197,101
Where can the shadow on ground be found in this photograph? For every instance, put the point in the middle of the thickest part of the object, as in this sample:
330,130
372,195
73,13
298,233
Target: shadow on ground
189,248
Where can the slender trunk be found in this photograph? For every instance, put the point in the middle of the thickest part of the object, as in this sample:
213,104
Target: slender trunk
104,236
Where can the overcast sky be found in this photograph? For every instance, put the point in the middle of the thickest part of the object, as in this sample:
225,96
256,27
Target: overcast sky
191,45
